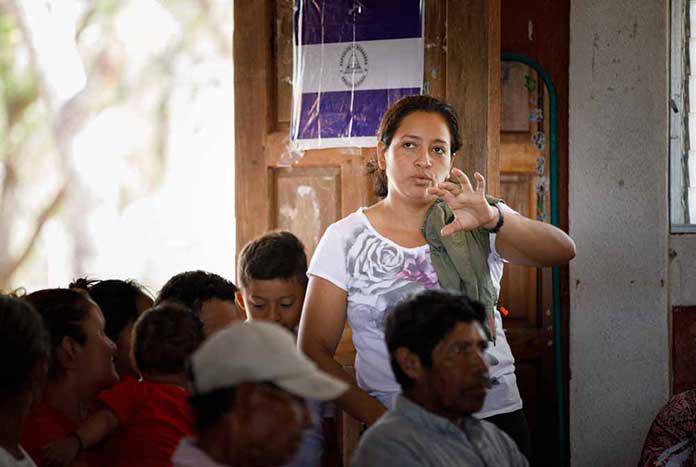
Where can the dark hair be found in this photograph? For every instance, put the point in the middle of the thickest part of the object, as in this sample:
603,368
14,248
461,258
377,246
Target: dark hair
25,342
275,255
391,120
63,312
164,337
192,288
419,323
117,299
208,408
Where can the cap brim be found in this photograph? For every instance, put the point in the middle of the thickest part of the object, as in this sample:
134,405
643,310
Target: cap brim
313,385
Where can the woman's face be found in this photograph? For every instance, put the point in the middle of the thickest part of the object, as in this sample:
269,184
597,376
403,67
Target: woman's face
418,156
95,361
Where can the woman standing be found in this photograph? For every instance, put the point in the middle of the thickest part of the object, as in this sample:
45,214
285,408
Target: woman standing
426,233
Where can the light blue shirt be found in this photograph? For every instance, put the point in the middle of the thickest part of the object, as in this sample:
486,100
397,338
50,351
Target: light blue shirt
410,436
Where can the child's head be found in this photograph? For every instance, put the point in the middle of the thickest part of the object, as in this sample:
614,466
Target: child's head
272,272
207,295
121,303
163,339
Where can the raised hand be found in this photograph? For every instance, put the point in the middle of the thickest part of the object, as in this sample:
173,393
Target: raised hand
470,208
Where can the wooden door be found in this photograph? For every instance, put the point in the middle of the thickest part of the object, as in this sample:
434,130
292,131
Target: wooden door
304,193
526,292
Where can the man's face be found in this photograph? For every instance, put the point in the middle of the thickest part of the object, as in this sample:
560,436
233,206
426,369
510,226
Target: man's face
217,314
458,377
267,424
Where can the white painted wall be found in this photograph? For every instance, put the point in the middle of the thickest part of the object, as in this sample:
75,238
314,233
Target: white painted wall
619,328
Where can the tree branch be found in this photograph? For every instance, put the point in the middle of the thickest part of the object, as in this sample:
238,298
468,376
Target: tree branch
8,270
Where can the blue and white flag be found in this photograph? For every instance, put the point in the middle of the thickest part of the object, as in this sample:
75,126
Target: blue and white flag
352,59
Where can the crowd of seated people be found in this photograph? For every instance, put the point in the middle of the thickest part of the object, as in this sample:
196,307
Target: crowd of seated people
207,374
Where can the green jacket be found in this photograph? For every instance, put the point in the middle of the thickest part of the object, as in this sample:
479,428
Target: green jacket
461,260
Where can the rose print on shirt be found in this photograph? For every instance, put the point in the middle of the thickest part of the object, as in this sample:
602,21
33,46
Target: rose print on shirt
417,269
381,269
373,264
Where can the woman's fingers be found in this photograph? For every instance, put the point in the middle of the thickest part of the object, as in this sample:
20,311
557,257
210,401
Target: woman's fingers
480,183
463,179
453,188
441,193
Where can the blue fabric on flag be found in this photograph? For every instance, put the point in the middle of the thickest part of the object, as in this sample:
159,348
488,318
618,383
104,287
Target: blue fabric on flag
352,60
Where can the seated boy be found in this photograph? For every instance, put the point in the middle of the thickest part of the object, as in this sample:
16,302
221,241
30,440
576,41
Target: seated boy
272,273
147,418
209,296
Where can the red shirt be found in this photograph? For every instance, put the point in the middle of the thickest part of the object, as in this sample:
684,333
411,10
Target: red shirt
153,418
45,425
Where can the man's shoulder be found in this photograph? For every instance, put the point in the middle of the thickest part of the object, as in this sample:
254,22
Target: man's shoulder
392,427
492,431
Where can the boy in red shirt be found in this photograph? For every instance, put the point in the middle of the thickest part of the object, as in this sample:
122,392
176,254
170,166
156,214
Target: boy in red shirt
149,417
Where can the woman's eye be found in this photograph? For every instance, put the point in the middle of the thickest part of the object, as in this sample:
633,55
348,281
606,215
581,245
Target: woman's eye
439,150
409,145
286,305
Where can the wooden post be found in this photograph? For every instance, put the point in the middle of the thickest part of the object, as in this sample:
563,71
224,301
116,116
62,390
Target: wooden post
253,76
473,84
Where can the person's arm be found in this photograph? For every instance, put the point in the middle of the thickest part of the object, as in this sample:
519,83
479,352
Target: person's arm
520,240
94,430
532,243
321,327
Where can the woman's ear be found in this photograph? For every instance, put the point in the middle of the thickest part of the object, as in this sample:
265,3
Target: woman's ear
454,155
381,156
66,352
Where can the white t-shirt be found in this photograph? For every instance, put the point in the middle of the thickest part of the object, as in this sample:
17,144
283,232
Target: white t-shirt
376,273
8,460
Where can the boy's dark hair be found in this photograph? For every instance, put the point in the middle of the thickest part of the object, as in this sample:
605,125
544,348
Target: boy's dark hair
419,323
25,342
117,300
208,408
63,312
391,121
192,288
275,255
164,337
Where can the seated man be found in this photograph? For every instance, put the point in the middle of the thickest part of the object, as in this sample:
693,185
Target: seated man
436,346
209,296
249,383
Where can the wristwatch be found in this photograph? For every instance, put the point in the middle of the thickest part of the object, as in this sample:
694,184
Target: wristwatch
501,220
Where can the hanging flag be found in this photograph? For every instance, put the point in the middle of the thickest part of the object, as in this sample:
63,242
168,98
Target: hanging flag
352,59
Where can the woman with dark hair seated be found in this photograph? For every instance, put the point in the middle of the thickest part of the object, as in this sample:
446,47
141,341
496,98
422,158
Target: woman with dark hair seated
81,365
121,302
24,351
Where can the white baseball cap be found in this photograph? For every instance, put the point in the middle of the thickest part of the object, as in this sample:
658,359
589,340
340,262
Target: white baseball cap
259,351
